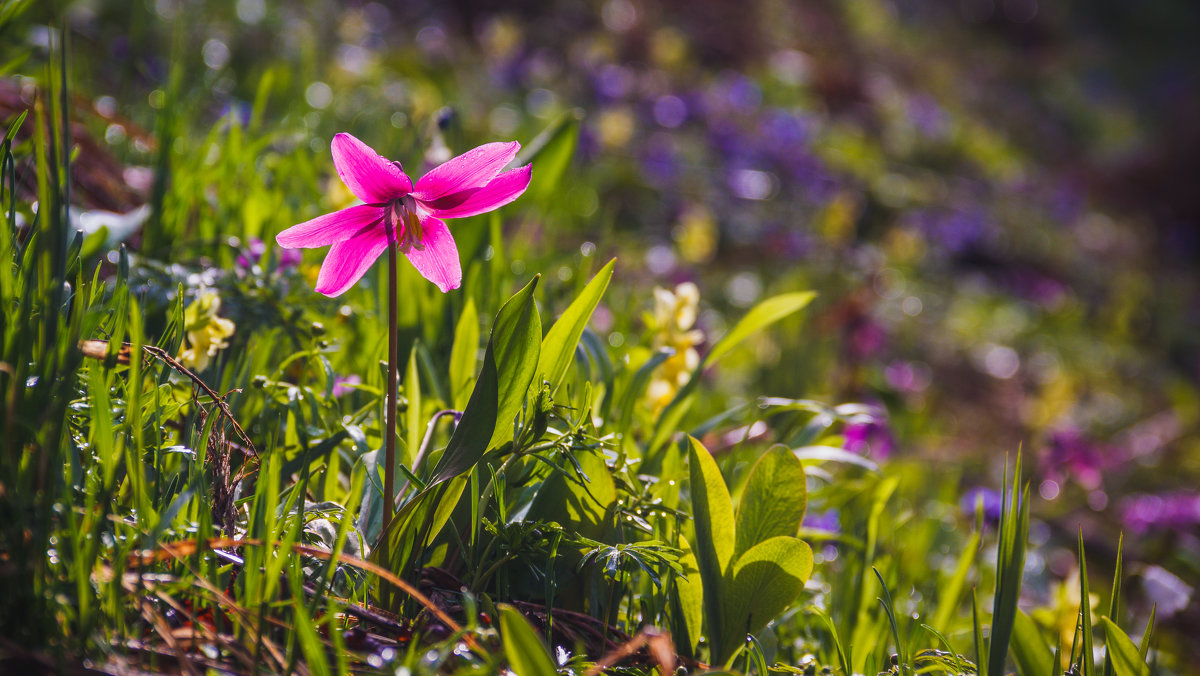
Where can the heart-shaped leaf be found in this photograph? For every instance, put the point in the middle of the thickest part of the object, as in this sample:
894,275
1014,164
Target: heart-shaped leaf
774,500
764,581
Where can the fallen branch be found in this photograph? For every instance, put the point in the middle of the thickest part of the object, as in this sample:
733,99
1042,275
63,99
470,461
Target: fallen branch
98,349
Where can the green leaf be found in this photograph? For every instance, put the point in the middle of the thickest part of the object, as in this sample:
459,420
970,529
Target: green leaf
1126,659
689,593
637,386
759,317
412,415
843,658
765,581
713,514
1114,600
1010,568
1087,661
464,355
551,152
774,500
1148,635
950,593
515,343
525,650
558,347
477,425
834,454
889,609
582,506
1029,649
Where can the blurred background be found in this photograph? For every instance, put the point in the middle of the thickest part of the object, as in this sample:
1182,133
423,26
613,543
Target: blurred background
997,200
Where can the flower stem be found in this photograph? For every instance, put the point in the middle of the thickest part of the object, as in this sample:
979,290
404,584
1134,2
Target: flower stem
389,454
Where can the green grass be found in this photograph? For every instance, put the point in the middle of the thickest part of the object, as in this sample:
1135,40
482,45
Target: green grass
162,518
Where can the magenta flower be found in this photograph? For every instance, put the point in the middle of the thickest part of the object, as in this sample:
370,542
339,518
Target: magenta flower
467,185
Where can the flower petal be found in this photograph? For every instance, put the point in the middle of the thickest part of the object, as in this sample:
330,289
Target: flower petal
500,191
338,226
470,171
439,261
369,176
349,260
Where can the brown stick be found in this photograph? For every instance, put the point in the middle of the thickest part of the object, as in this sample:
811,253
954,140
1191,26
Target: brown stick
662,650
98,349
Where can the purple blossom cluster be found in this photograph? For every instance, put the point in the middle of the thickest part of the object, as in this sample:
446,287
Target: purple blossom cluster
1161,512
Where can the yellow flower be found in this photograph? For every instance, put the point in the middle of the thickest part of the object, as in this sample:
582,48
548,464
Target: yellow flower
206,332
671,324
1060,617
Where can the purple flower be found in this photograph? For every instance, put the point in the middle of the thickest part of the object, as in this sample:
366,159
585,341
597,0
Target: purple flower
660,161
252,254
1170,511
289,258
735,91
1070,454
670,111
782,132
824,521
928,117
959,231
866,338
397,210
613,82
343,385
908,377
869,435
991,503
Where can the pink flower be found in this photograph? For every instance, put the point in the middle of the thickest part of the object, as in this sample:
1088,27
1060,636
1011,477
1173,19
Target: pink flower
467,185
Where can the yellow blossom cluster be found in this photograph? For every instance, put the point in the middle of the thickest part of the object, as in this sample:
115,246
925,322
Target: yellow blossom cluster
206,332
671,323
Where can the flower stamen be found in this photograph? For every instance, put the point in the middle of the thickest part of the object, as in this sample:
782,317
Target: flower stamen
402,212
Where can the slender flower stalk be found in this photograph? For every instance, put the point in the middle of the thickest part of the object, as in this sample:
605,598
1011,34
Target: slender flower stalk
403,217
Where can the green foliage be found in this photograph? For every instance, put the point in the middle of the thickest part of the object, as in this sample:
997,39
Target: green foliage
745,587
525,650
157,515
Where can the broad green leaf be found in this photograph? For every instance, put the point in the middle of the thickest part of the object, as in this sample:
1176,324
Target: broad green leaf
759,317
689,594
764,582
463,355
558,347
551,152
525,650
582,507
515,343
774,500
713,514
477,425
1126,659
1030,651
